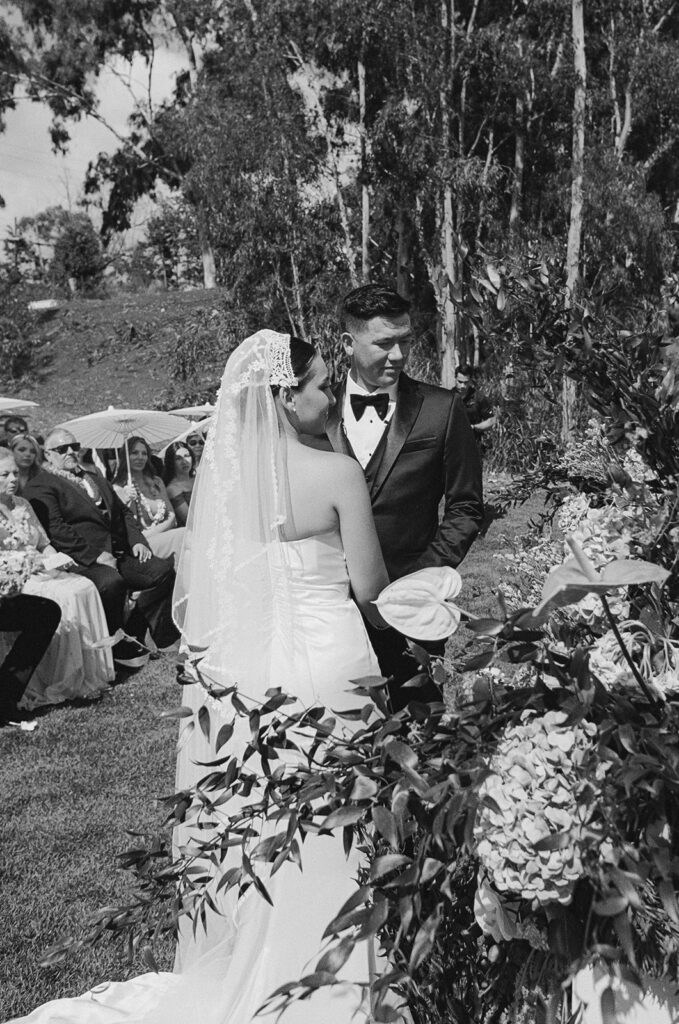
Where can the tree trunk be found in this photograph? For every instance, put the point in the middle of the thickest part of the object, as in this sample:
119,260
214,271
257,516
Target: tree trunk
578,170
206,251
519,160
448,312
365,195
402,256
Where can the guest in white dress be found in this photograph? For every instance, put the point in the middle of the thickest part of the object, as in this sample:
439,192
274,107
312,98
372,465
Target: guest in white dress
74,666
144,493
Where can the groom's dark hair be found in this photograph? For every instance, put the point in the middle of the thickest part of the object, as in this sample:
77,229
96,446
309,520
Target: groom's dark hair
368,301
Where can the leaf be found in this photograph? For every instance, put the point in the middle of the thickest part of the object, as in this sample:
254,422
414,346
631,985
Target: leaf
608,1014
501,300
669,900
430,869
357,899
577,577
386,864
478,662
611,906
369,682
182,712
385,823
623,930
485,627
224,735
343,816
493,276
334,959
401,754
364,788
149,959
204,720
625,572
424,940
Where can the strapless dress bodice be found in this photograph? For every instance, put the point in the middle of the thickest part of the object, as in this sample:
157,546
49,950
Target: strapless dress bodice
317,564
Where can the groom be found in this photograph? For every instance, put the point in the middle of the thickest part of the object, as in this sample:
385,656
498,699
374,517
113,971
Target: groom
416,447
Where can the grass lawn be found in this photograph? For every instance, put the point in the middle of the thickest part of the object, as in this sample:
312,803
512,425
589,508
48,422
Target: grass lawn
71,789
85,775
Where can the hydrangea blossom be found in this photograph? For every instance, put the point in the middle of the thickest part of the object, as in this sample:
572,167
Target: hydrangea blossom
608,663
532,794
659,668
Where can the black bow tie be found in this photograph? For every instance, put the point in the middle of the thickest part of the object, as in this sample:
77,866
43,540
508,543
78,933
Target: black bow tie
359,403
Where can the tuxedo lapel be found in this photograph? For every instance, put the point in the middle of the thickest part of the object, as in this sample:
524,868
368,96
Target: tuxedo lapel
335,427
408,404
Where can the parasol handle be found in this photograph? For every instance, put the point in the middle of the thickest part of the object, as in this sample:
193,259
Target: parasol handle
127,459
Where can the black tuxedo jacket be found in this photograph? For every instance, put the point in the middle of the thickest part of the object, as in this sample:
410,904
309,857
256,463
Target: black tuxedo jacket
428,452
76,525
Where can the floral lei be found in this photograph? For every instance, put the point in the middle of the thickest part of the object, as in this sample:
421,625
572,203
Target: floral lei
72,478
16,523
144,510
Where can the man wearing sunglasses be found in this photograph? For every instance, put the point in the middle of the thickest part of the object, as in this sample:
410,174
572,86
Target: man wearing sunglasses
86,520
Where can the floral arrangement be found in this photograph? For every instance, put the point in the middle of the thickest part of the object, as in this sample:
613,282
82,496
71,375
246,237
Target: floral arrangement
15,569
535,791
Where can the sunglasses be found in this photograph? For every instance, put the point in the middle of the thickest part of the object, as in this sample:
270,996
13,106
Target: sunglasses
73,446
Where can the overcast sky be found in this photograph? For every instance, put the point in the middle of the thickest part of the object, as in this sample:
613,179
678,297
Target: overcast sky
32,177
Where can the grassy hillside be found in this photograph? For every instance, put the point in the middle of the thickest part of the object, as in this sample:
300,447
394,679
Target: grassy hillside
117,351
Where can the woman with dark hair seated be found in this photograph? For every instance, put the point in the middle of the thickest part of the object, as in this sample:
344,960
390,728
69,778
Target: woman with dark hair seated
138,486
196,444
180,476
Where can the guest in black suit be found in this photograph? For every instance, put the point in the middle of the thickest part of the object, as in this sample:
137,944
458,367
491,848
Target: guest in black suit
36,620
416,447
86,520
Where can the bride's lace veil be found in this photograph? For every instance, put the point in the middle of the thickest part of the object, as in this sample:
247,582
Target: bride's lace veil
231,594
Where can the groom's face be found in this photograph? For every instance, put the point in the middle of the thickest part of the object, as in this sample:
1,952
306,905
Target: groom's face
378,349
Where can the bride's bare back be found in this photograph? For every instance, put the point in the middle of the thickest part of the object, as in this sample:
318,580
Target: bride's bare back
327,491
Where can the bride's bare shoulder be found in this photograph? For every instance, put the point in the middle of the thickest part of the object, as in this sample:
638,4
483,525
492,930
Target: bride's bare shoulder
334,468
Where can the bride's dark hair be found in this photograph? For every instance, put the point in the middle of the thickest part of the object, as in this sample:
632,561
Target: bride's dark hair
302,355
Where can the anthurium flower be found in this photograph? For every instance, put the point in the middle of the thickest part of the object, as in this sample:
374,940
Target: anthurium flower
578,577
420,605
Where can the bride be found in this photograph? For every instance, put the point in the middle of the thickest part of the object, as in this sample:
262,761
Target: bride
280,538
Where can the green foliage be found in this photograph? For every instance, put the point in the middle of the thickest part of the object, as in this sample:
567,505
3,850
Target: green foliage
78,255
20,350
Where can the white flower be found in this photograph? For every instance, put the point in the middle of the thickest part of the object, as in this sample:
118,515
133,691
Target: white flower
420,605
532,795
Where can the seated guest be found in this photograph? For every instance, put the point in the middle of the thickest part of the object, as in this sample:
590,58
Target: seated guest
196,444
138,487
35,619
73,665
87,521
180,476
27,455
12,426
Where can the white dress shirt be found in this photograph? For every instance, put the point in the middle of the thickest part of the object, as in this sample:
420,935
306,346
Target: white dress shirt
365,434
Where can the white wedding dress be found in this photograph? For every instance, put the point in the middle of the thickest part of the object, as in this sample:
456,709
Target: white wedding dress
223,976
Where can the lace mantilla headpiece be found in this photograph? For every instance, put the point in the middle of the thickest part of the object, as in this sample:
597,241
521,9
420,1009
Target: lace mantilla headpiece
279,362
